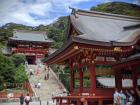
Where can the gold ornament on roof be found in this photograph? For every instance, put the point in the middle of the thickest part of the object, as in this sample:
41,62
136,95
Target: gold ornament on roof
76,47
117,49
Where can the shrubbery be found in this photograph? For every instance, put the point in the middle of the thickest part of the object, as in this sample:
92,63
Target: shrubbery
18,59
20,75
12,69
64,75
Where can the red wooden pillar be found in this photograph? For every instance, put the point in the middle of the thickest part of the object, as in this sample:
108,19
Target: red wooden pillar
93,79
100,102
34,59
60,101
71,79
118,78
57,101
68,101
134,77
78,102
118,81
81,78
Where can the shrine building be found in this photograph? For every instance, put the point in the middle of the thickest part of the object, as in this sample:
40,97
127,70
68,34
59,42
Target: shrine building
102,51
33,44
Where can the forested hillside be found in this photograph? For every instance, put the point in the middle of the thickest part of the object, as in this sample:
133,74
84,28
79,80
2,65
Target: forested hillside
118,8
57,30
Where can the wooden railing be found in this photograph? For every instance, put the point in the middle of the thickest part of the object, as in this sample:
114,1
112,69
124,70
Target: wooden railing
30,50
67,100
28,87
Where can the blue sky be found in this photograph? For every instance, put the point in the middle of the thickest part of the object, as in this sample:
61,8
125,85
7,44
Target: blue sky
36,12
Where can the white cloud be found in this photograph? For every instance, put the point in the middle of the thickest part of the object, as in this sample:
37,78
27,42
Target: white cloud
136,2
34,12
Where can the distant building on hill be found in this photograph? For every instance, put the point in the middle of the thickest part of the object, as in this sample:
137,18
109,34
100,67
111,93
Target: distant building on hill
33,44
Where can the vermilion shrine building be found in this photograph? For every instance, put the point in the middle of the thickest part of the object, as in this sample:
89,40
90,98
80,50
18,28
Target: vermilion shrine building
103,52
33,44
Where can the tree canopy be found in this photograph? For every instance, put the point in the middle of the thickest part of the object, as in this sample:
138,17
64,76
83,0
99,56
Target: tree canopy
18,59
7,69
11,70
118,8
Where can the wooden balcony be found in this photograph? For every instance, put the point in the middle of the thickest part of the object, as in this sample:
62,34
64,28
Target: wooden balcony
29,50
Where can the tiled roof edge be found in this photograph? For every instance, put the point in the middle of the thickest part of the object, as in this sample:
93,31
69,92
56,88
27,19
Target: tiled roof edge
29,31
85,12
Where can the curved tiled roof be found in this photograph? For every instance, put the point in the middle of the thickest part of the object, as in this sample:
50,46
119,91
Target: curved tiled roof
105,27
30,36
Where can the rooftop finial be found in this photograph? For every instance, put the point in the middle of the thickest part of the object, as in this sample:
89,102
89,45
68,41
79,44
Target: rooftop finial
73,11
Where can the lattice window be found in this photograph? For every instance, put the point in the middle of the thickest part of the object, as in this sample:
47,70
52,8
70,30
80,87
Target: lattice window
86,76
110,59
99,58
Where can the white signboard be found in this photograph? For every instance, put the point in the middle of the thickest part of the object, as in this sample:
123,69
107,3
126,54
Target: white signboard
127,83
138,81
85,94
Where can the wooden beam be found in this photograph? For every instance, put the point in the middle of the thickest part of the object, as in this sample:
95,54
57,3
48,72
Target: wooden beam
81,78
71,79
134,77
93,79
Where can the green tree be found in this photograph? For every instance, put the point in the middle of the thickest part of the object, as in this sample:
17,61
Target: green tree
18,59
7,69
10,73
1,83
1,47
57,35
64,74
119,8
57,31
20,75
6,30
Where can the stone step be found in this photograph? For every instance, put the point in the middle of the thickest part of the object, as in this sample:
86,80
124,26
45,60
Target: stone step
49,88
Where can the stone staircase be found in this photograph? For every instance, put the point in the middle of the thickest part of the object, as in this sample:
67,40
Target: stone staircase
50,87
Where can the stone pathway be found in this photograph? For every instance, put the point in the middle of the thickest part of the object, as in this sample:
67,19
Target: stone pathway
50,87
31,103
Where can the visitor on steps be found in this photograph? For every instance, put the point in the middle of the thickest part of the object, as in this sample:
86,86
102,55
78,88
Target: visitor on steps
122,98
31,72
27,99
137,96
39,85
21,99
26,64
130,98
116,97
45,78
